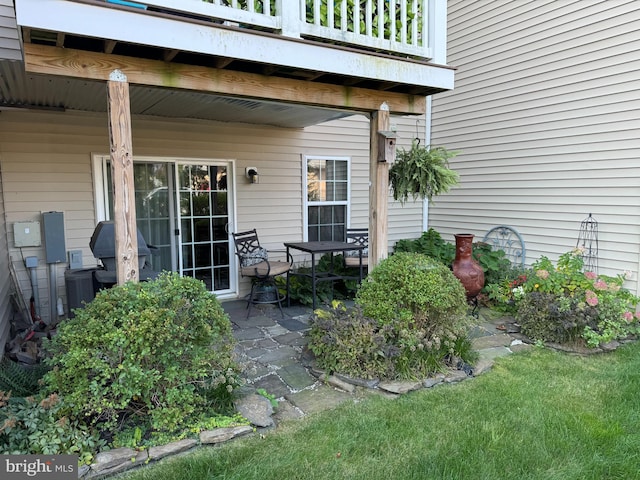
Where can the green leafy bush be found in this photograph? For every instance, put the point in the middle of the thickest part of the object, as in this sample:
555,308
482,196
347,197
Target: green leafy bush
551,318
493,262
345,341
430,243
571,301
39,427
157,351
410,320
502,294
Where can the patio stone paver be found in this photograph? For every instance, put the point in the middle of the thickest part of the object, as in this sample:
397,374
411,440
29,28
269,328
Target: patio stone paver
251,333
297,377
276,330
499,340
273,384
292,338
293,324
321,398
278,354
494,352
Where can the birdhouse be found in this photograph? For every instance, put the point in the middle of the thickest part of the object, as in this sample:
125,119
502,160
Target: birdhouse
386,146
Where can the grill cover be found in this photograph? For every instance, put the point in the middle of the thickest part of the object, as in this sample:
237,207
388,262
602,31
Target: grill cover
103,242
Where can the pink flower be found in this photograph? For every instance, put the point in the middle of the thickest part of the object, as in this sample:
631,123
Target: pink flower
592,298
628,316
591,275
600,285
543,274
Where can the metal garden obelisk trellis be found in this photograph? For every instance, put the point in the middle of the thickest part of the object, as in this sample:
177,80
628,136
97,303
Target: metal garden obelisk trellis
588,242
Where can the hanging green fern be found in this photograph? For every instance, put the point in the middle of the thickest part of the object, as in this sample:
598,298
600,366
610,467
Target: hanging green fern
422,172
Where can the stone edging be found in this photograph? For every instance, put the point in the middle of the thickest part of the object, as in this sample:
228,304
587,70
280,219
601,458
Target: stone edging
122,459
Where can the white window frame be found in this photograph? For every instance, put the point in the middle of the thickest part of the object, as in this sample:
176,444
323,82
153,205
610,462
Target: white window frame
305,194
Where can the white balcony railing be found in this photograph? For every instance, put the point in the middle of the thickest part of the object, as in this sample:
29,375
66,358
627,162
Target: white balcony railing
414,28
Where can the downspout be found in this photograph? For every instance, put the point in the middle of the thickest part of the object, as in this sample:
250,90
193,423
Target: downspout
427,141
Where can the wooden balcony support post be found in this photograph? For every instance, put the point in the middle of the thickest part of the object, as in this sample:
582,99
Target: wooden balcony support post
378,189
124,214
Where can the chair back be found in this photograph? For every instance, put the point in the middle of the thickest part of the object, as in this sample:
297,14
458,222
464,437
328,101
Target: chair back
246,242
359,236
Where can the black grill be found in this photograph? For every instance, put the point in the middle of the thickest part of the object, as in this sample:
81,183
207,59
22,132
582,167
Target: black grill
103,246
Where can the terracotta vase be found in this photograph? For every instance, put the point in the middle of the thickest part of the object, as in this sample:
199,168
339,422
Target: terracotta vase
468,271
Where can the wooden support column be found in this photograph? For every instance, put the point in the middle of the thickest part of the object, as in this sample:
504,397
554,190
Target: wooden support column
378,190
124,214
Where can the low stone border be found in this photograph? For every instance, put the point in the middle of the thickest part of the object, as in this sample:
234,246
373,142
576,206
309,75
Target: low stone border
120,460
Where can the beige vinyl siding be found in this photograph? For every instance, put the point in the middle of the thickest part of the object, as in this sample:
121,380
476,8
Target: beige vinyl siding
9,39
6,312
46,161
545,113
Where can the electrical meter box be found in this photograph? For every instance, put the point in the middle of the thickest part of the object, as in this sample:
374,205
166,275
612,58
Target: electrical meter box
27,234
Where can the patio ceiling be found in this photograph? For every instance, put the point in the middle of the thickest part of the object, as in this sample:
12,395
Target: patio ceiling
19,89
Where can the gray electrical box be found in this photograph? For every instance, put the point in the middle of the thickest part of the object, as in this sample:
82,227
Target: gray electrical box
27,234
54,246
75,259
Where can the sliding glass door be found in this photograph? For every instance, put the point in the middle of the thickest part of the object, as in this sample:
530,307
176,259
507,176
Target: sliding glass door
183,209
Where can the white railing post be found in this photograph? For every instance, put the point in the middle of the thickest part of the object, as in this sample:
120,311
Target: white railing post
291,15
437,31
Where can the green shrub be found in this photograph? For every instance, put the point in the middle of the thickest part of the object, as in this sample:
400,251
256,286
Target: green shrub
493,262
502,294
430,243
345,341
410,320
551,318
569,298
38,427
158,351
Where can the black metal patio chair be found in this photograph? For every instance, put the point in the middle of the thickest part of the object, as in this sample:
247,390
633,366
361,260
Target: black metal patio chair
357,236
255,264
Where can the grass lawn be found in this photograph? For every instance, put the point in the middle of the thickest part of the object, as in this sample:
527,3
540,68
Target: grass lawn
535,415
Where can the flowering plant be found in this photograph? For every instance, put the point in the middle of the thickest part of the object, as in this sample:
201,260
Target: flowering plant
597,305
507,291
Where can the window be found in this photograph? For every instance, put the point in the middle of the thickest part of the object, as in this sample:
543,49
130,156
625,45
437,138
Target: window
327,198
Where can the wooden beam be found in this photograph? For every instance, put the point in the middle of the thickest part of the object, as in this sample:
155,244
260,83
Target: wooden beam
222,62
170,55
379,190
97,66
60,40
124,214
109,45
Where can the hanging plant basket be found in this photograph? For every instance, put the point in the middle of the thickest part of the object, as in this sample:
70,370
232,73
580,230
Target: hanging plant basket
421,172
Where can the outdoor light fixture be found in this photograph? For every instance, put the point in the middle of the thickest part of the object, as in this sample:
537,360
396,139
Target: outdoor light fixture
252,174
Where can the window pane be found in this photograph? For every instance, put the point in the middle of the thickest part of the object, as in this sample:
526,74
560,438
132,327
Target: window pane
314,233
327,188
313,215
202,229
340,191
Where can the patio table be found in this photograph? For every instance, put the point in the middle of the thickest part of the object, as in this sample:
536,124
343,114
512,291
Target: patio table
315,248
